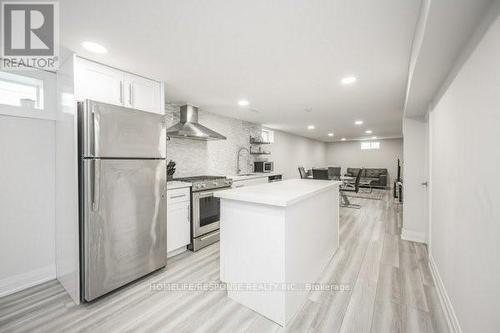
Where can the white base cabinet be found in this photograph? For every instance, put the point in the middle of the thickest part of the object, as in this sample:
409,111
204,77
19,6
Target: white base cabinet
274,237
178,220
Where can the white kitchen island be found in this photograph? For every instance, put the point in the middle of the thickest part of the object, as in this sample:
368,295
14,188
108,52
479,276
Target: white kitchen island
275,240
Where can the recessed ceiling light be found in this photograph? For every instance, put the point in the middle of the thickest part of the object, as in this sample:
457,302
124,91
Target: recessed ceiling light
348,80
343,139
243,102
311,127
94,47
374,137
368,131
330,134
358,122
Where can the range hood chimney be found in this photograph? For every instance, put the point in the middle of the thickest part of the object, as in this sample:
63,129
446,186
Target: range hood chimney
189,128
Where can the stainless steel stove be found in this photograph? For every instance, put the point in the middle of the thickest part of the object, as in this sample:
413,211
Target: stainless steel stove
203,183
205,209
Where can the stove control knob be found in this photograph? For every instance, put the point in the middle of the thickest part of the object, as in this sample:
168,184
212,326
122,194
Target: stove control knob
214,183
197,186
203,185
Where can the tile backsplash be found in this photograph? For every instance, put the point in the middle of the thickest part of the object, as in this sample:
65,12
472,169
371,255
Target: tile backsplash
194,158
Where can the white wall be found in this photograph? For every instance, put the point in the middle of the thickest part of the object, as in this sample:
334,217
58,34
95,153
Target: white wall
66,189
291,151
349,155
219,157
196,158
465,158
27,254
415,209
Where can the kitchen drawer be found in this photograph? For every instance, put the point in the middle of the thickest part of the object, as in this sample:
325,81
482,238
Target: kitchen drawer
178,195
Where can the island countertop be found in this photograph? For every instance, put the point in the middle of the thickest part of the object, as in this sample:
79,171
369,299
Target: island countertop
283,193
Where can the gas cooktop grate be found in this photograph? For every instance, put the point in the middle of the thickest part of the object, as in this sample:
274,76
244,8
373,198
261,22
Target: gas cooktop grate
199,178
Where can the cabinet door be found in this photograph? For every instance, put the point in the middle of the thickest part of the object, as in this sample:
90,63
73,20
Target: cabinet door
144,94
98,82
178,225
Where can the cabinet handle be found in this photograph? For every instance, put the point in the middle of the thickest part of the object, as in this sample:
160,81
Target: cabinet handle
177,196
121,92
238,186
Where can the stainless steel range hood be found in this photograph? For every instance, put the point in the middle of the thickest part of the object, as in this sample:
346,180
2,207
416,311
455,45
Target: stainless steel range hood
189,128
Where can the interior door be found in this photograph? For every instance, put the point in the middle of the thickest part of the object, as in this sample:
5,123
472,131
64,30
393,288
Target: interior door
114,131
415,181
124,224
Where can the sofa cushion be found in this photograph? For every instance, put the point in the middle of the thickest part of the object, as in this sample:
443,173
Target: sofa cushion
375,173
353,172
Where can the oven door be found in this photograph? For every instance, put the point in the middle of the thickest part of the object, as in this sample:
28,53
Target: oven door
206,212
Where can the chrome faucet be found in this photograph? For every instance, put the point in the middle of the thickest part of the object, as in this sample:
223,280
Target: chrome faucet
238,169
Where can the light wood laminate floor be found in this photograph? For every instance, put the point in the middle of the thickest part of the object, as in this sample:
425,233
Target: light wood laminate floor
390,290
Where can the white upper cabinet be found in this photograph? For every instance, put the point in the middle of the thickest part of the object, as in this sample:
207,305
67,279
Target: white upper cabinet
97,82
109,85
143,94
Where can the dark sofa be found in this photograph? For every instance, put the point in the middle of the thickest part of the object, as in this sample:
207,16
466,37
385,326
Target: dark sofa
379,176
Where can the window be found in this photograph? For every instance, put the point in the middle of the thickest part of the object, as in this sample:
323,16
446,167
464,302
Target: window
267,135
18,90
370,145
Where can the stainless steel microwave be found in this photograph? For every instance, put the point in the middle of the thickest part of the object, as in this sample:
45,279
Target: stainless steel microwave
261,166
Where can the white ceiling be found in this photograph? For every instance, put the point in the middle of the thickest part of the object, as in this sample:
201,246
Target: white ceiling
284,56
440,46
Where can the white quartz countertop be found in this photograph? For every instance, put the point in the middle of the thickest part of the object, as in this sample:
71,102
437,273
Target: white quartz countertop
172,185
237,178
283,193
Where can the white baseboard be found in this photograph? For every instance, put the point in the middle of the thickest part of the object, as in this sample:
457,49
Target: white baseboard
176,251
449,312
22,281
413,236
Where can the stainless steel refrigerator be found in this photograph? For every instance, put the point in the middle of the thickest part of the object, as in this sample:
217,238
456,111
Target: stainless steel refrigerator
123,218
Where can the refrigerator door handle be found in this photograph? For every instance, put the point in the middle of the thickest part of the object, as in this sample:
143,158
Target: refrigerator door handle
91,182
95,133
121,92
95,183
130,92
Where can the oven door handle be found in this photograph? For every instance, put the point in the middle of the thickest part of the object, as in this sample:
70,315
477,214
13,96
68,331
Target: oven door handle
209,193
205,195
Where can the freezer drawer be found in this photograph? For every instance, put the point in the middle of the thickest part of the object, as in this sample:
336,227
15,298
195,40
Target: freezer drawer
113,131
124,222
